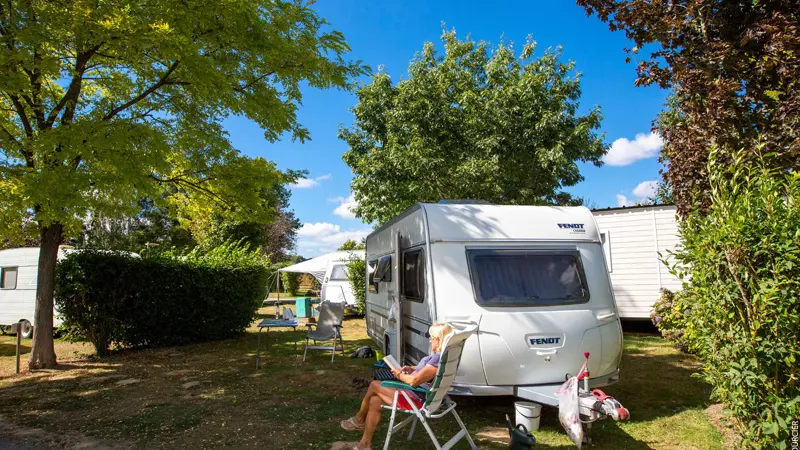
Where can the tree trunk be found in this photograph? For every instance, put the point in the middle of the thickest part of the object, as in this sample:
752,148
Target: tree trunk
43,354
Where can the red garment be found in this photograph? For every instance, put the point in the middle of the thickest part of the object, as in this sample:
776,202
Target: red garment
402,403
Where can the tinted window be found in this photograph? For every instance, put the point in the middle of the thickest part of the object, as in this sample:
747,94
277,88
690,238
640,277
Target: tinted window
373,285
414,275
384,270
527,277
8,278
339,273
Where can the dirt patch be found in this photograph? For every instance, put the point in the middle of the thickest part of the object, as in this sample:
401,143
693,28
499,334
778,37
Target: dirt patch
16,437
723,423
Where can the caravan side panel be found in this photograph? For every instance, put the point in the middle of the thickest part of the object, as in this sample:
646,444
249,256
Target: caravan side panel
633,239
379,244
20,302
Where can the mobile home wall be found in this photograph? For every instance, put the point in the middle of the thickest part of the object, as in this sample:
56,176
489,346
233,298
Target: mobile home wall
633,238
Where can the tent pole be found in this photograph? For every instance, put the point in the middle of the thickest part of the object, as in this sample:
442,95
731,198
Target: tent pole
278,301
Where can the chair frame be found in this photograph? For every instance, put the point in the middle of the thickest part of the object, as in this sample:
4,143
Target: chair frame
436,399
337,329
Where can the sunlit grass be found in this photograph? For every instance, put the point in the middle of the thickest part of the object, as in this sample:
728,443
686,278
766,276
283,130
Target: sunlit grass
142,397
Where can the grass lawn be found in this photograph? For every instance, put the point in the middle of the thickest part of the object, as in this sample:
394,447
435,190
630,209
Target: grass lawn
210,395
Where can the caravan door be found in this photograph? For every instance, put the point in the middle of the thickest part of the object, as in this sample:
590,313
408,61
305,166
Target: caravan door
538,314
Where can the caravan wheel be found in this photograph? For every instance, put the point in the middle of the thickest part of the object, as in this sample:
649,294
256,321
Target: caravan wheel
26,329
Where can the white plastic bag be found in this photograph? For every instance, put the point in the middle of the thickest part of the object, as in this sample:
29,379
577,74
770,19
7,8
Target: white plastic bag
569,410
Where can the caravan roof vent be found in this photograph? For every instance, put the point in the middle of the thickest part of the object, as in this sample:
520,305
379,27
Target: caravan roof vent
463,201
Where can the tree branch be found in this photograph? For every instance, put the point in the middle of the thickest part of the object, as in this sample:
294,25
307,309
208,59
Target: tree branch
194,185
144,94
23,116
73,91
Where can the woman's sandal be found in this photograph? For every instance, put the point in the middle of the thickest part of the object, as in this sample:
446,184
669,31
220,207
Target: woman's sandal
351,425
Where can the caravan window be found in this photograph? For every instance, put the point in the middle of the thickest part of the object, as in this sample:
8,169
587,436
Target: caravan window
414,275
339,273
8,278
384,270
527,277
373,285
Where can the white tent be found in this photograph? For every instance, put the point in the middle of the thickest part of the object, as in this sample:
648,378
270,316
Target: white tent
317,266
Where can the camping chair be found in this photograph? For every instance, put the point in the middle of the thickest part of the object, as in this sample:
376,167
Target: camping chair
437,403
329,327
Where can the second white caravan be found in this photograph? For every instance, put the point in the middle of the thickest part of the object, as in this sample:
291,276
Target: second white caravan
533,278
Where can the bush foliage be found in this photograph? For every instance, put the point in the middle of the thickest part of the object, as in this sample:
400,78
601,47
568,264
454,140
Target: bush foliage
116,300
357,275
744,257
290,281
671,316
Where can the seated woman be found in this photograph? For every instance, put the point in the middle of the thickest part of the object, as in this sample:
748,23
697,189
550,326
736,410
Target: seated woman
369,415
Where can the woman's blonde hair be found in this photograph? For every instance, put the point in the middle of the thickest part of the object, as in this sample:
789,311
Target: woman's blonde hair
440,330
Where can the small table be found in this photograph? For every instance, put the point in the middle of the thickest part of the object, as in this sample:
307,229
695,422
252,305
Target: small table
272,323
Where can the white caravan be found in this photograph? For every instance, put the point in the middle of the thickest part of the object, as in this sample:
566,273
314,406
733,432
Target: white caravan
331,271
533,278
18,275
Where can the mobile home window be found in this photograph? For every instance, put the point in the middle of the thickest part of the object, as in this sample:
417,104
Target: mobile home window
8,278
527,277
339,273
414,275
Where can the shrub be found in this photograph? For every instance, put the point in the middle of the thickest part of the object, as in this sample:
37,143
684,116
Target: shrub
290,282
744,257
113,299
356,274
671,316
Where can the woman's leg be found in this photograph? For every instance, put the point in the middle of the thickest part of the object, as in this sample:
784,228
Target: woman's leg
384,396
374,389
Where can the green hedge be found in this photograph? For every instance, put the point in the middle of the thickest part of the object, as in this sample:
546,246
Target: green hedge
357,275
743,255
113,299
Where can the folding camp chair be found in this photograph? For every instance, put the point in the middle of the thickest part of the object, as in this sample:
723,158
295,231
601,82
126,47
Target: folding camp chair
328,327
437,403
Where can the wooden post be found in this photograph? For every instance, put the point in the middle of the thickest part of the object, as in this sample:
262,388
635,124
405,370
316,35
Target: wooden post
278,300
18,327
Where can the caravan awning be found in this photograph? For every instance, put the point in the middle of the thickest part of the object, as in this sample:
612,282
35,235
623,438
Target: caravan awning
317,266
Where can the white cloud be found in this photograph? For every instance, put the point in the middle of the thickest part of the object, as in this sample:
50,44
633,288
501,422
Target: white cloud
314,239
646,189
345,208
623,201
309,183
624,151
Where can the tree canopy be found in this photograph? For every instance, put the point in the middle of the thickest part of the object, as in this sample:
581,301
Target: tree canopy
351,244
476,122
734,69
105,103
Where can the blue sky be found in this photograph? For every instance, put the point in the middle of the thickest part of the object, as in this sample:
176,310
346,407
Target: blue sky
389,33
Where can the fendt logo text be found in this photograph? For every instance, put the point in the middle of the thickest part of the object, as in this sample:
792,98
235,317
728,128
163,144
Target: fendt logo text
571,225
541,341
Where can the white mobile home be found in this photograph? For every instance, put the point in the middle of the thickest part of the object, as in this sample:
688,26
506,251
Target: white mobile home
18,275
533,278
632,239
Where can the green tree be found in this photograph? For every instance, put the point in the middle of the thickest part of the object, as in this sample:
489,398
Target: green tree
475,123
107,102
351,244
734,71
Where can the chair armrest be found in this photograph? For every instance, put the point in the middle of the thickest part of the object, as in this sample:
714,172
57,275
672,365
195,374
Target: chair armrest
401,385
309,325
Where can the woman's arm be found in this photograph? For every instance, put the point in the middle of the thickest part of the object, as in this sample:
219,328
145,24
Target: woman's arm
427,373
